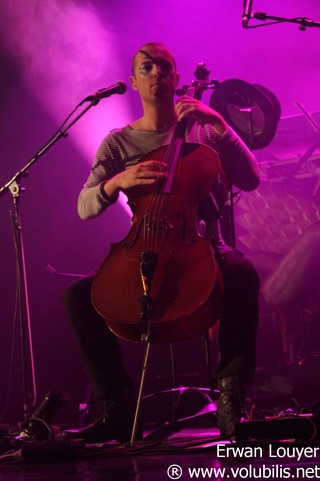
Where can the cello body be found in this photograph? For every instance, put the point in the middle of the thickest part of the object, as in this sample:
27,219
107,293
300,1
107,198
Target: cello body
168,288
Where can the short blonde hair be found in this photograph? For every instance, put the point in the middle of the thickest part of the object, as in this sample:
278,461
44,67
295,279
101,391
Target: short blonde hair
151,44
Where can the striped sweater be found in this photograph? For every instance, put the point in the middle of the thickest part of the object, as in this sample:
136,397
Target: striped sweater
123,148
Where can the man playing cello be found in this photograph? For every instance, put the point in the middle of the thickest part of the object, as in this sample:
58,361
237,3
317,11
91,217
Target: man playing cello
119,166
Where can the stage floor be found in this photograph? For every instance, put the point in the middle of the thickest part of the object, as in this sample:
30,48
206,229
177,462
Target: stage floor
192,453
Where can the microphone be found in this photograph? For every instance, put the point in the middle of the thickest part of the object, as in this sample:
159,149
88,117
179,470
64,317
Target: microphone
118,88
246,13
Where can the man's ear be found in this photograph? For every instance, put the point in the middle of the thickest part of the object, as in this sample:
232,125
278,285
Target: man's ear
133,82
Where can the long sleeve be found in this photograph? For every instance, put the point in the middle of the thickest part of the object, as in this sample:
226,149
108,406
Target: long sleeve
239,163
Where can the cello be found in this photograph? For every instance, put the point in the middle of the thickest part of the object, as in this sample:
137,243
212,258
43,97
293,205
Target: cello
162,282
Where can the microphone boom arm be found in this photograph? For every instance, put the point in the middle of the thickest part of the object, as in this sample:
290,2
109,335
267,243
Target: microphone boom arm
302,21
61,133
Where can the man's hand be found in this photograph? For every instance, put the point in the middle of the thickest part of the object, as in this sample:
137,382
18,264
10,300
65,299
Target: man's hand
189,106
144,173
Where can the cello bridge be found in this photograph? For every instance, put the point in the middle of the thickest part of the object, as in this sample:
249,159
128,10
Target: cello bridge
155,223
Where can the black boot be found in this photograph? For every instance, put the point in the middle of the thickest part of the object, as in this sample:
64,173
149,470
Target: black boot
229,406
115,423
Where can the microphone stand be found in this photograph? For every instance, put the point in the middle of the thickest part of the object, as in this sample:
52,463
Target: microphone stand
302,21
13,185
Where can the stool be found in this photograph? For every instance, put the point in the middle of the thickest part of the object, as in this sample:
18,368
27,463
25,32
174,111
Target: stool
204,392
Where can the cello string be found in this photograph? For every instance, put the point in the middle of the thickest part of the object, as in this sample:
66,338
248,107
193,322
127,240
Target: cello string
156,208
171,159
152,215
154,222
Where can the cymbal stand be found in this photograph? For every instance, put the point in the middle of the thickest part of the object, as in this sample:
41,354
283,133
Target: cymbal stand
13,185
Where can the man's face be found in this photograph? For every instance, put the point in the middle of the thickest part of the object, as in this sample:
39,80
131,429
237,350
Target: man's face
154,74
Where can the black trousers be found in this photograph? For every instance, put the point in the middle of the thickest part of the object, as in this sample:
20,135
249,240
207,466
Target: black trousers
240,317
101,353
